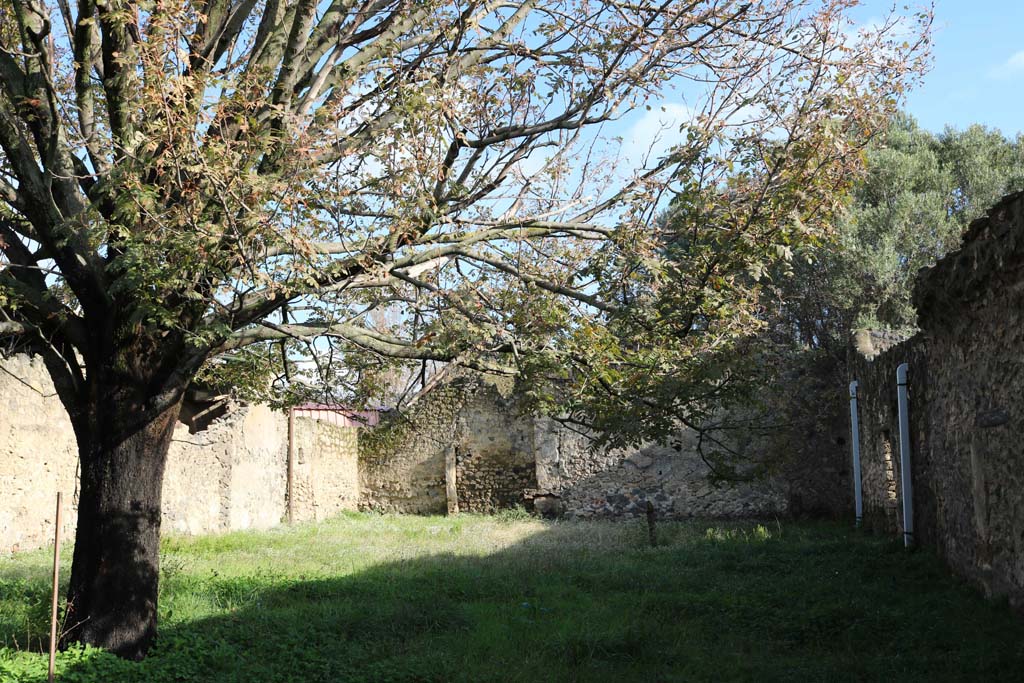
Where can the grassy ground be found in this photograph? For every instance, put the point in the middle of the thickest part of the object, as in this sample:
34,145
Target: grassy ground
372,598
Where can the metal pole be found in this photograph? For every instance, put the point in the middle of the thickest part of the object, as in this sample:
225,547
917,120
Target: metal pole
290,484
858,491
905,483
53,609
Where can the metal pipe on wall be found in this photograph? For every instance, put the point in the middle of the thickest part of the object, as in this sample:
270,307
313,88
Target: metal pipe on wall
905,483
858,492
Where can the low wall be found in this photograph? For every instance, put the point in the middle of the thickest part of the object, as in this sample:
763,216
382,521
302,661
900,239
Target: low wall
966,419
672,477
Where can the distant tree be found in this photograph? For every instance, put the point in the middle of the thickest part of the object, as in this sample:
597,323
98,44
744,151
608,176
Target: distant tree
920,193
186,186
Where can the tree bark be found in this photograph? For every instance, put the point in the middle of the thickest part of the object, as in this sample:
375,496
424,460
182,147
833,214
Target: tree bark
112,598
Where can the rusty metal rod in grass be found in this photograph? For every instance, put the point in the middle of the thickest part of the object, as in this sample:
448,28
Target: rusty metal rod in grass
53,610
652,535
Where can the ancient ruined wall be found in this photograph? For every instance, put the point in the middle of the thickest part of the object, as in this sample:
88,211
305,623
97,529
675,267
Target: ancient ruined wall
805,442
966,416
879,437
402,460
468,422
880,457
38,455
574,479
326,476
494,449
500,457
258,470
231,475
198,469
227,477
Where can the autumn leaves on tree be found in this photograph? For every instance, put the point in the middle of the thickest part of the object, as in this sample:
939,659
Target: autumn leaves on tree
185,183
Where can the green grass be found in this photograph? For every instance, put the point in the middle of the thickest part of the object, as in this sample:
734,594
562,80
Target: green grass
466,598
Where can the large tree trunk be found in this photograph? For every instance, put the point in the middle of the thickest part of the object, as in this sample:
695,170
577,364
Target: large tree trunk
112,599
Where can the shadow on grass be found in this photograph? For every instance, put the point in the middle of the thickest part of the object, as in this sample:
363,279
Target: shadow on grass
819,603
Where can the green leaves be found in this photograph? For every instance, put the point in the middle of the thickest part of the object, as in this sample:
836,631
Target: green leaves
920,192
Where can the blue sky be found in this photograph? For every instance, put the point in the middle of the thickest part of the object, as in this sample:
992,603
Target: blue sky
978,73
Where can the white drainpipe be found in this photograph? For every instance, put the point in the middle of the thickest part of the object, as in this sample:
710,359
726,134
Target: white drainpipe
858,494
908,493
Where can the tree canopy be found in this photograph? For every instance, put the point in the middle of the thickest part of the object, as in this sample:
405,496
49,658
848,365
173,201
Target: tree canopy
404,179
920,193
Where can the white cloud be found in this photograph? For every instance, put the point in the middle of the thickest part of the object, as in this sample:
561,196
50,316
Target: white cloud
1014,66
654,133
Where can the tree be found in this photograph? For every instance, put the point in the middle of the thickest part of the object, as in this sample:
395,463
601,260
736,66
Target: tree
184,183
920,193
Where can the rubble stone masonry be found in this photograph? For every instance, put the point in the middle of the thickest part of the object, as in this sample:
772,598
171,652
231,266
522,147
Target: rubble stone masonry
965,386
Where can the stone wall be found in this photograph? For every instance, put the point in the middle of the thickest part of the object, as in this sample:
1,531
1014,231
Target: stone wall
326,474
488,481
402,460
464,445
38,456
504,458
494,448
467,421
583,483
231,475
879,436
966,379
805,433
